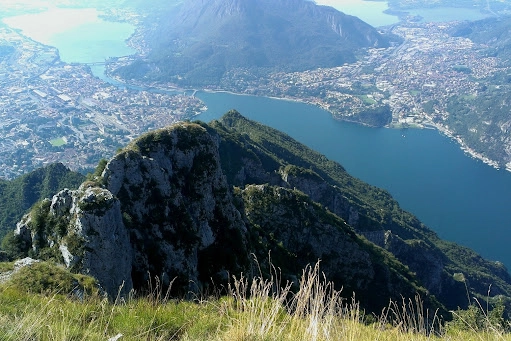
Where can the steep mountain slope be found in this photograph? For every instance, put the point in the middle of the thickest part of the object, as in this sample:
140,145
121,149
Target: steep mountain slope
163,207
18,195
494,33
199,41
192,202
294,230
255,154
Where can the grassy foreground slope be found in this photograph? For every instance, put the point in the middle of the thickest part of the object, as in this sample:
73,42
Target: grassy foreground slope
254,310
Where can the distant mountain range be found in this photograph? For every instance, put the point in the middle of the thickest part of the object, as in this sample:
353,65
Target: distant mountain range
199,41
493,32
195,202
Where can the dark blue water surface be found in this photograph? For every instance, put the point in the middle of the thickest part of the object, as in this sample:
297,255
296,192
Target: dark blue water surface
461,198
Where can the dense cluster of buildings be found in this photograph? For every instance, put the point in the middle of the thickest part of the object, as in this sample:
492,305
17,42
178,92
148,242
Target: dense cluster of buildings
429,65
51,111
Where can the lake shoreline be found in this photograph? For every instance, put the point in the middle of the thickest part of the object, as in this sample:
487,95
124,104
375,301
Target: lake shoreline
428,125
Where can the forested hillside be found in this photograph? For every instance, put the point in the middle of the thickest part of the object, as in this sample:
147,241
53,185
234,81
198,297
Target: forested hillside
18,195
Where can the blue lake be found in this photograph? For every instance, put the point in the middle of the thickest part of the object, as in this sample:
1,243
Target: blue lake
443,14
80,35
461,198
372,12
369,11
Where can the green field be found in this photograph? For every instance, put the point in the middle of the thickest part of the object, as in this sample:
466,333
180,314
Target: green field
58,142
34,306
367,100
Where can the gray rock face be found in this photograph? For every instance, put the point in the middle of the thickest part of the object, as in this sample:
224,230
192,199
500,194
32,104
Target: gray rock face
251,170
178,207
305,230
61,203
320,191
23,230
85,228
426,262
107,251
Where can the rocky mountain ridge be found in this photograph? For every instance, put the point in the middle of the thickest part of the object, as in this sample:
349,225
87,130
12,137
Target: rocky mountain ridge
194,202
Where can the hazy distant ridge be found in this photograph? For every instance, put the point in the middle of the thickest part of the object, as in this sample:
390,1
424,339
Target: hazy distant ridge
199,41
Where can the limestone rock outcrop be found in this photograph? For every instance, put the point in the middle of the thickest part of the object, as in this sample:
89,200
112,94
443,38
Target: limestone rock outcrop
84,229
107,250
178,207
296,230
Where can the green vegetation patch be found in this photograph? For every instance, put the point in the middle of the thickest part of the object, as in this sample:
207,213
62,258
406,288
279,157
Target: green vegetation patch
49,278
367,100
254,310
470,97
462,68
6,266
184,135
58,142
18,195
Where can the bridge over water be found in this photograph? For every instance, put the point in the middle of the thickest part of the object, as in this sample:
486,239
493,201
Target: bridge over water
96,63
105,62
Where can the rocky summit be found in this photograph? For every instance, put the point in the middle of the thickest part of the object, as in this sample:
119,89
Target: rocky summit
195,204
